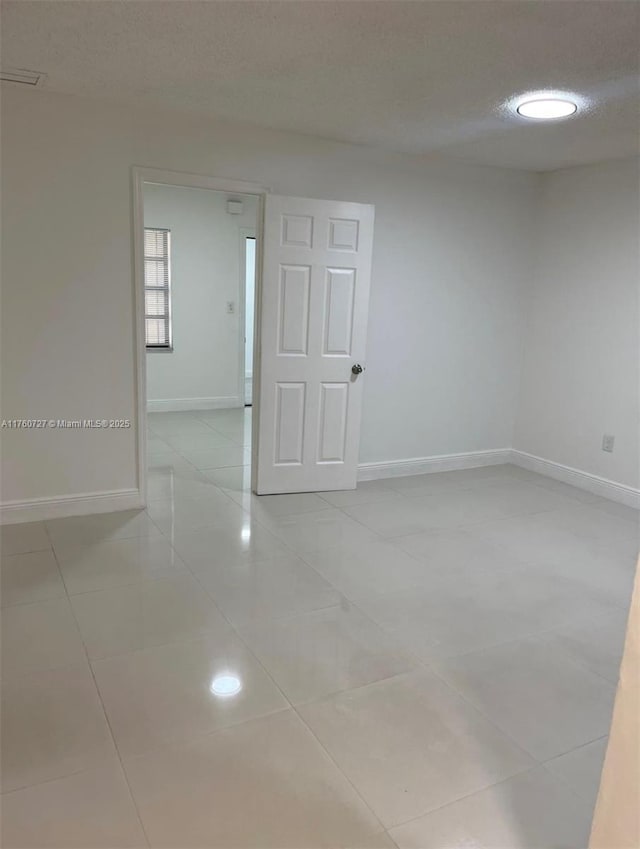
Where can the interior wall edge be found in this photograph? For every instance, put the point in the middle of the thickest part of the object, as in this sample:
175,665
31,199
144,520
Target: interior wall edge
533,264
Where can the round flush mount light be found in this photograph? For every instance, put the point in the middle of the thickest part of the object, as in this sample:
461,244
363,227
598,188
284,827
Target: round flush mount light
224,686
546,108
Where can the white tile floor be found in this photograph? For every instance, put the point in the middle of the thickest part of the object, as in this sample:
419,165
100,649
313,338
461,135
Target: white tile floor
424,662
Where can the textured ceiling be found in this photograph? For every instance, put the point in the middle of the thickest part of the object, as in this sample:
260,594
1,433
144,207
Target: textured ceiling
420,77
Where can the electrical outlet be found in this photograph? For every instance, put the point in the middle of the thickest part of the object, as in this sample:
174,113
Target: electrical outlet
607,442
231,307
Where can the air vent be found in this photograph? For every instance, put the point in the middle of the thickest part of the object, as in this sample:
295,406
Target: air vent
22,76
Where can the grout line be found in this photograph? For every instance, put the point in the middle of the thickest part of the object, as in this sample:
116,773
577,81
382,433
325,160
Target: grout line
118,754
533,635
575,749
51,780
106,717
532,768
340,770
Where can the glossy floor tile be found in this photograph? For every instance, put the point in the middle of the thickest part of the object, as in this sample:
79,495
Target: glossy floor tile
198,441
190,514
176,424
169,462
20,539
266,783
609,566
536,693
157,446
592,522
166,693
231,545
88,810
315,531
86,530
53,725
439,482
452,610
163,484
596,642
434,655
409,744
39,636
270,506
530,811
431,512
112,564
151,613
219,458
325,651
375,566
234,478
278,586
26,578
581,768
457,547
366,492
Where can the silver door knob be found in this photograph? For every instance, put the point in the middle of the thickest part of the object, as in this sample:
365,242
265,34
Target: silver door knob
356,369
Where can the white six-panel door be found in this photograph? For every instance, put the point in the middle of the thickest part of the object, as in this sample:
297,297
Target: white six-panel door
315,298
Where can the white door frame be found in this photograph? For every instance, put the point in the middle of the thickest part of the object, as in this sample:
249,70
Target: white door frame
140,176
245,233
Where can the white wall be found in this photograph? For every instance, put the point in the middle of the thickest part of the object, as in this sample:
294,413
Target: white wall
581,365
203,368
451,257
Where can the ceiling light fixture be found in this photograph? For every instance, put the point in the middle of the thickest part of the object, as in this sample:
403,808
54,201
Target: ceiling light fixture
547,108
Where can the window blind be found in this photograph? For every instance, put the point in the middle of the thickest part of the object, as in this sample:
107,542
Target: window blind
157,288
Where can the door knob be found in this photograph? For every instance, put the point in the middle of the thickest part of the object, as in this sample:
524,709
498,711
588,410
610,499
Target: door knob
356,369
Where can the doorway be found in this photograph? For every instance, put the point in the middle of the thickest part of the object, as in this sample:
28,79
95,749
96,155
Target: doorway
310,317
248,265
196,316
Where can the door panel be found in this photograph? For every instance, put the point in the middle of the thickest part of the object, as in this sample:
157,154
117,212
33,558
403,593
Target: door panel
293,310
334,399
315,299
340,291
289,423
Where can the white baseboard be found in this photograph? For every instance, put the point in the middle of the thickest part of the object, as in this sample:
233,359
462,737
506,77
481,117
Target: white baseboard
38,509
437,463
575,477
170,405
472,459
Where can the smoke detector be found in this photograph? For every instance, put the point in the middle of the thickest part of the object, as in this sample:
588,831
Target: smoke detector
22,76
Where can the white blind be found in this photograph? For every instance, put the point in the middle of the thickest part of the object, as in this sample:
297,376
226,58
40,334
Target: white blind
157,290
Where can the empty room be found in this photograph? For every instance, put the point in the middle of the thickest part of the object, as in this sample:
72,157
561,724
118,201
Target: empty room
320,444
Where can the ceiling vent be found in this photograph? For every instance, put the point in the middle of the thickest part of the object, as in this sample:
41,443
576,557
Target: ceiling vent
22,76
